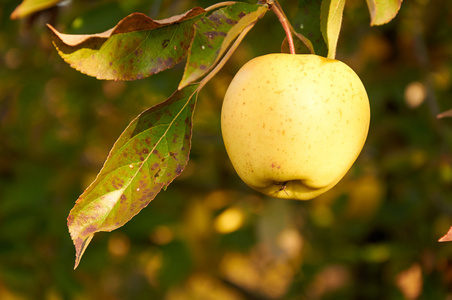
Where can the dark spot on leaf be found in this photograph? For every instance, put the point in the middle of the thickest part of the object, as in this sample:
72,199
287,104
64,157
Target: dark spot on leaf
194,64
165,43
78,241
110,63
185,47
139,76
179,169
231,22
89,230
214,18
169,62
173,155
116,185
241,14
213,34
202,67
123,198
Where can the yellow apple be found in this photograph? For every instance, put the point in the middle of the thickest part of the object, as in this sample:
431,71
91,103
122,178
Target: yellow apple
293,125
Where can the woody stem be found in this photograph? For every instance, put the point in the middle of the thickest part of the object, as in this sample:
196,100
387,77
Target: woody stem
276,8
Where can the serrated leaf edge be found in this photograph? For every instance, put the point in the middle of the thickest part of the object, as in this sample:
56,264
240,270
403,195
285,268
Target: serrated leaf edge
81,250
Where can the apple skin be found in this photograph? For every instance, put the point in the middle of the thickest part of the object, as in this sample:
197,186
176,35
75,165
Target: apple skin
294,124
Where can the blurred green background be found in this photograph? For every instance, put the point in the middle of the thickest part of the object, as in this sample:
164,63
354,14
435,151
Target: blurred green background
374,236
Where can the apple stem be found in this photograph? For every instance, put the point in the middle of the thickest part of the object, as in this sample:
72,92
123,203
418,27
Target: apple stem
277,9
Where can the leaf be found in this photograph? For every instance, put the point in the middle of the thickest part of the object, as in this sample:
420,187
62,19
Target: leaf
214,34
28,7
306,21
149,154
302,44
330,23
445,114
447,237
137,47
383,11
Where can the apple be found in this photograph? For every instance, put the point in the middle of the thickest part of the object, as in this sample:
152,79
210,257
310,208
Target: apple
294,124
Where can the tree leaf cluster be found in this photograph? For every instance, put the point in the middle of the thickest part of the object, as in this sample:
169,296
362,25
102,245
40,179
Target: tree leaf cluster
154,148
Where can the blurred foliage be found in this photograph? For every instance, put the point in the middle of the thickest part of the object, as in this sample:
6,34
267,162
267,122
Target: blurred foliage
209,236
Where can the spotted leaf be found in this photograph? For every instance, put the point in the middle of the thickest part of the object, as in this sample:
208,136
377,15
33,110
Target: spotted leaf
149,154
214,34
137,47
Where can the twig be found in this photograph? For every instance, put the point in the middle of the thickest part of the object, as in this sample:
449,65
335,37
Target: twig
276,8
221,4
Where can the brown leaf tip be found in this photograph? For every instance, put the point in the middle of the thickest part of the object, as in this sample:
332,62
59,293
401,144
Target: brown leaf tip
447,237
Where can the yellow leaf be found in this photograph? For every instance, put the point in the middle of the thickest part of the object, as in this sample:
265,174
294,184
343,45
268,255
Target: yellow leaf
330,23
28,7
383,11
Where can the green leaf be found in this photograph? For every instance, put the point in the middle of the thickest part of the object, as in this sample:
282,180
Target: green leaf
137,47
149,154
214,34
383,11
330,23
28,7
306,22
